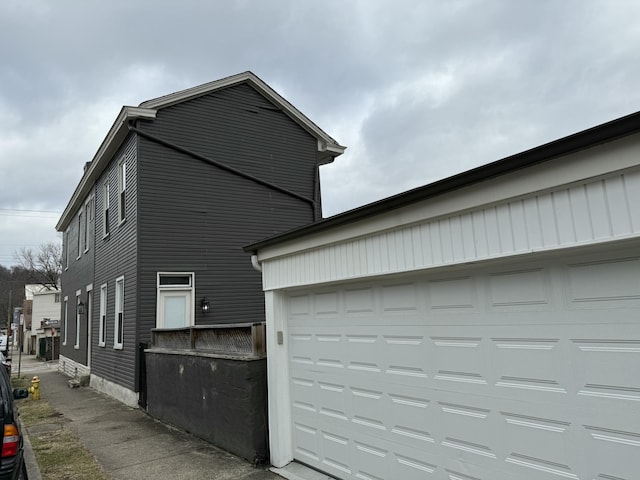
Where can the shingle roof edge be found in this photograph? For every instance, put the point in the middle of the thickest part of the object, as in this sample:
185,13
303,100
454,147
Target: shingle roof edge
582,140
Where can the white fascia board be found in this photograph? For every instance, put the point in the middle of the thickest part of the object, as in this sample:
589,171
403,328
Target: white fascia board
117,133
599,161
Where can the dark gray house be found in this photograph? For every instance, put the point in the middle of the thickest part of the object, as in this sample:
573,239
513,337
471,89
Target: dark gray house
153,233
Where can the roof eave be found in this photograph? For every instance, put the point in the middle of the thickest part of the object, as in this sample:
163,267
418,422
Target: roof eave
114,138
582,140
328,148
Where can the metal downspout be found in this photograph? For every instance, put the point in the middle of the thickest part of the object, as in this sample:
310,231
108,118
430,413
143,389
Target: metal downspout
256,263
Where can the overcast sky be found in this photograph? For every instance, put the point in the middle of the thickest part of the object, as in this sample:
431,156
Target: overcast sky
417,90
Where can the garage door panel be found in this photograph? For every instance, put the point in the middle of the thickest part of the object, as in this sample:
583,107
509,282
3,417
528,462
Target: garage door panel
485,375
531,365
612,453
305,438
459,359
607,364
303,392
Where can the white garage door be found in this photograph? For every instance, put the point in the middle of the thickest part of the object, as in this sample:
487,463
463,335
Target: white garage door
511,372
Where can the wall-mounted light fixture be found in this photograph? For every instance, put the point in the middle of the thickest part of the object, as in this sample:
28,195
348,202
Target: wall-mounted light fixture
204,305
81,309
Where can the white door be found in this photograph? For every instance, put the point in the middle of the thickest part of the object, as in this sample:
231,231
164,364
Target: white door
528,371
175,309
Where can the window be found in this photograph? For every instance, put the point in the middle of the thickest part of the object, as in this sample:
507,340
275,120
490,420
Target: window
56,298
122,185
105,208
88,217
102,329
80,236
65,320
175,300
78,301
67,249
118,327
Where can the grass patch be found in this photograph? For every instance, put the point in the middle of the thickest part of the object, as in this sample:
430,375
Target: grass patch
62,457
58,450
36,412
20,382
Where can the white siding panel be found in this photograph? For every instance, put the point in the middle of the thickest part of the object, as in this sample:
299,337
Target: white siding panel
505,228
468,236
548,220
632,193
564,217
446,240
457,243
593,212
618,206
493,234
416,246
532,219
519,226
435,243
480,235
599,210
581,213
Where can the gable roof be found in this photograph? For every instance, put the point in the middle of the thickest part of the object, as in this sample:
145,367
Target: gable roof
328,148
576,142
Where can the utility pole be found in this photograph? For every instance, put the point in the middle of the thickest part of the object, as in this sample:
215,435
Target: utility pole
9,315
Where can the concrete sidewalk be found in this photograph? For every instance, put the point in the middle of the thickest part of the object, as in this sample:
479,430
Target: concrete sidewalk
127,442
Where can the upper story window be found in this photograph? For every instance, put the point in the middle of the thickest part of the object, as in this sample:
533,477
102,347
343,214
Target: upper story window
80,233
88,218
67,249
105,208
122,186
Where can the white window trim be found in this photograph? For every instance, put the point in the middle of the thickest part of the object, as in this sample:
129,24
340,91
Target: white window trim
106,192
86,230
67,249
78,300
122,187
65,320
119,303
160,288
80,246
102,333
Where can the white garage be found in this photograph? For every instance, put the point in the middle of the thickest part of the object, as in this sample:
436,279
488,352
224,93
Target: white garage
483,327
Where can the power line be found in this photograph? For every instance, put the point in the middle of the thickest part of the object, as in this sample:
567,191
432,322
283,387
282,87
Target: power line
26,210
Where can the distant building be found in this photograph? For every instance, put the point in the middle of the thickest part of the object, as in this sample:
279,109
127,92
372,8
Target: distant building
42,334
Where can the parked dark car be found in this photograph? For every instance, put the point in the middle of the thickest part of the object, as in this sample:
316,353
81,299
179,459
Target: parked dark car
12,465
6,362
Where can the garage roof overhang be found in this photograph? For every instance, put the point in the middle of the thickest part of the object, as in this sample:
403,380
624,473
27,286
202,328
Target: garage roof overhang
327,147
574,143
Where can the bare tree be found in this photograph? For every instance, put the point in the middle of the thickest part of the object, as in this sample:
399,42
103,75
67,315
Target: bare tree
44,264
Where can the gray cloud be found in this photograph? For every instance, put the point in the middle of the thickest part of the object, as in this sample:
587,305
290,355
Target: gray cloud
418,90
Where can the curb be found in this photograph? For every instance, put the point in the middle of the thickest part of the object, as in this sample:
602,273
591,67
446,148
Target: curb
33,469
